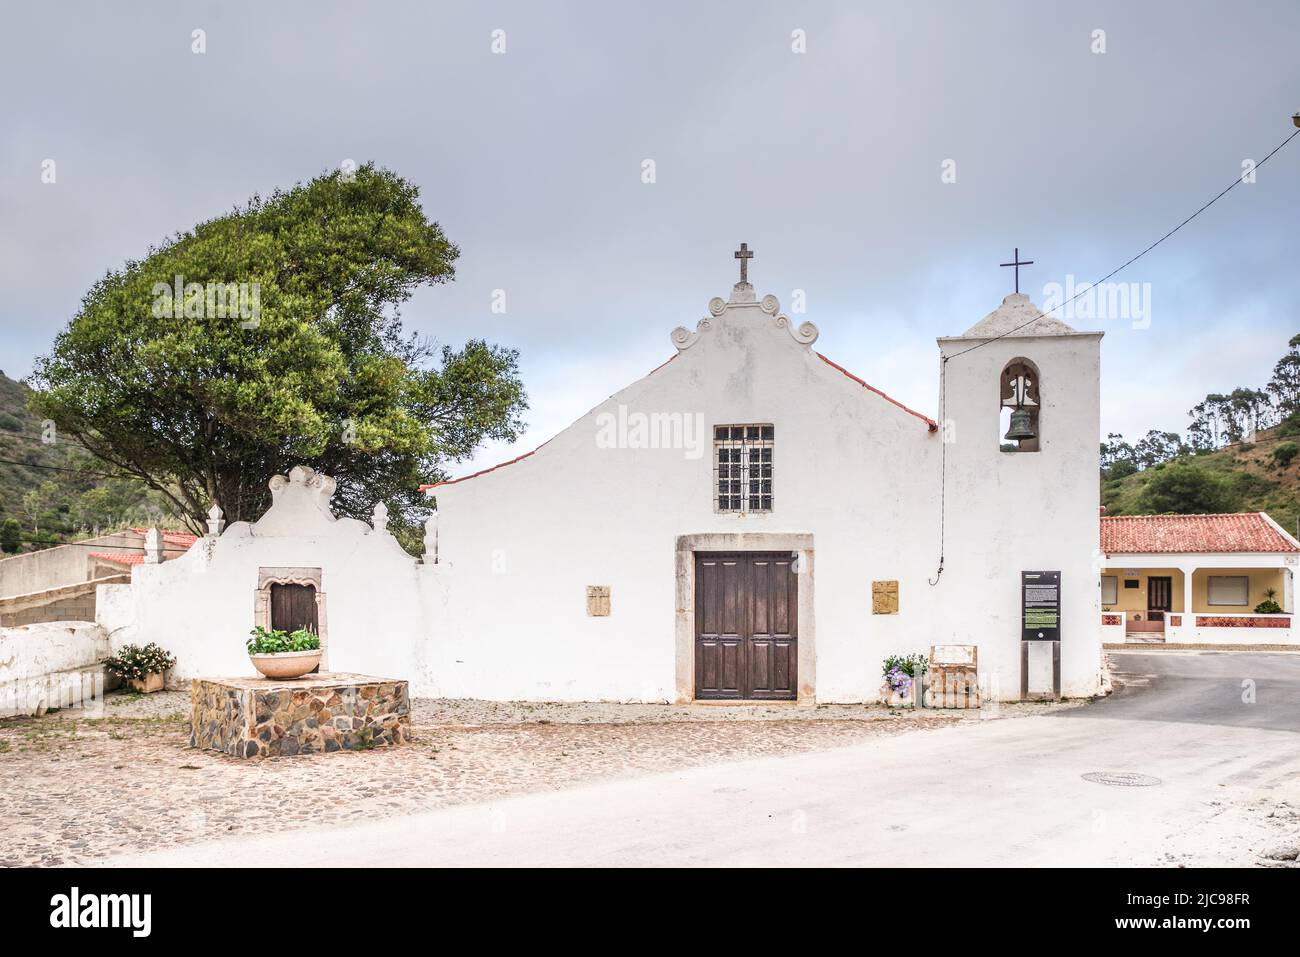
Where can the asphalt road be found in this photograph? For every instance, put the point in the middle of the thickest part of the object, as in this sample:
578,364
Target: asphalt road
1206,687
998,792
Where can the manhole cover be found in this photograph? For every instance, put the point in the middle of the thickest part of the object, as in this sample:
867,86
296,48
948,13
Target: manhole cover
1121,779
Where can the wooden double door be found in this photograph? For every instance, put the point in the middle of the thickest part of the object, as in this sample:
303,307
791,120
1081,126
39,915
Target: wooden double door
746,626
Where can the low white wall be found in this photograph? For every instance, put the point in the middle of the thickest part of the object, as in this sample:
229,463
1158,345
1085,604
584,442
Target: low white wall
50,665
1189,632
201,606
1113,634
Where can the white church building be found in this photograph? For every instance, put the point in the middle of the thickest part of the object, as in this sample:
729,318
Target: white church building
747,521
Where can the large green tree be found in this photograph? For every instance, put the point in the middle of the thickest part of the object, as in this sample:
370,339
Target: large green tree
1183,489
284,346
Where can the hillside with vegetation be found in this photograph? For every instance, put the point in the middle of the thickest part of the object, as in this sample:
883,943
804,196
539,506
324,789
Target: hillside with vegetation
54,491
1240,452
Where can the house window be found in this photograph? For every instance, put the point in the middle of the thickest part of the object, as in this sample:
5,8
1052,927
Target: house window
1019,401
1109,589
743,475
1227,590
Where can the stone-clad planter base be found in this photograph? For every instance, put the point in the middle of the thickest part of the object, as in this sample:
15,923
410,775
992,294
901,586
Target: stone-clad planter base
257,718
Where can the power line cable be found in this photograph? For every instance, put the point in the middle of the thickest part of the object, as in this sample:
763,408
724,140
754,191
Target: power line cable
63,468
943,366
1087,288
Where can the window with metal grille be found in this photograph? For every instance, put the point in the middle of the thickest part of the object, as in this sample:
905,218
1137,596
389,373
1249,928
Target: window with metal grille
743,458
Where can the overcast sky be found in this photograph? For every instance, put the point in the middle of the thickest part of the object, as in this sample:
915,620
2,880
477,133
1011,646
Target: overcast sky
829,163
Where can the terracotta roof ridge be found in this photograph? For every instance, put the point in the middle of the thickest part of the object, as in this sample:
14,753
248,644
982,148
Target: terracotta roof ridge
1168,515
933,425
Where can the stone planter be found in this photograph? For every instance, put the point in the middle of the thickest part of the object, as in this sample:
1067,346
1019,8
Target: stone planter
148,684
895,700
286,664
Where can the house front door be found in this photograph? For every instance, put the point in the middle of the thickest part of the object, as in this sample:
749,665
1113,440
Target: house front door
746,626
1159,591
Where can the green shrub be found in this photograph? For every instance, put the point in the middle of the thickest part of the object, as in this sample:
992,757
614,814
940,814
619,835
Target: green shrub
135,663
269,641
1289,426
1284,452
1186,490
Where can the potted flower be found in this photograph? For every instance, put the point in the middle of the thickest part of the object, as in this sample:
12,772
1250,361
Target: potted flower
143,668
903,673
281,655
1269,605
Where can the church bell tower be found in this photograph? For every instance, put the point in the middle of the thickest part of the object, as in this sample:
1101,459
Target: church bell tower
1021,410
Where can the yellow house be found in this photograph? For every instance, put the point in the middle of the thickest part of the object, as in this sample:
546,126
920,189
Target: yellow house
1197,578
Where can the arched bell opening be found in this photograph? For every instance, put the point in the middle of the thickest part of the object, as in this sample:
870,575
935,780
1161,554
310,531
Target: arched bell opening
1020,402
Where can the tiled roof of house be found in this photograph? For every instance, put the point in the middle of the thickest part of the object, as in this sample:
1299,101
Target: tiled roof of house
185,539
1238,532
120,558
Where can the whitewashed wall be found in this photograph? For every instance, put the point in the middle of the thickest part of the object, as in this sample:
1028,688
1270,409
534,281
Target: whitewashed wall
1010,512
50,665
503,613
519,545
201,606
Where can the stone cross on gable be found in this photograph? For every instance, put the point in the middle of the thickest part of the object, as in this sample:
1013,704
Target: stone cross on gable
744,254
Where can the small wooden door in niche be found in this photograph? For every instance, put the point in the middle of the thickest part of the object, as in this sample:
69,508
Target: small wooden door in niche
293,606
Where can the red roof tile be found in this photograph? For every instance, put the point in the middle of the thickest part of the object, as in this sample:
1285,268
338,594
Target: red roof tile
173,538
1146,534
120,558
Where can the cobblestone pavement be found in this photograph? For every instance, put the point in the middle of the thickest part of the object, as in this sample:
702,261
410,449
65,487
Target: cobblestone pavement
75,787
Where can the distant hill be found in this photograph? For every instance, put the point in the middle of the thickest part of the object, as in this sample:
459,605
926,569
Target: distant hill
50,505
1258,476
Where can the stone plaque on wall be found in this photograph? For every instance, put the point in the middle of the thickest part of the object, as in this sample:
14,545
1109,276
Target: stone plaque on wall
597,601
884,598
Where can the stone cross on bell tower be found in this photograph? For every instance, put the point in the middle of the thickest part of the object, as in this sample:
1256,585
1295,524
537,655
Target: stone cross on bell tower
744,254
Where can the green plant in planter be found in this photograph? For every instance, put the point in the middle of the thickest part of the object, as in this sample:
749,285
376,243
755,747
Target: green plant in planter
1269,605
903,671
133,663
270,641
911,665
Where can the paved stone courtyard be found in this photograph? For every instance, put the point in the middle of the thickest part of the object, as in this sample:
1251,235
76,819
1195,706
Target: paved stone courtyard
74,787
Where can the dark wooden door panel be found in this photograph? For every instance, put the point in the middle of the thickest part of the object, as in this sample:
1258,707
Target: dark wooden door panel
1159,595
293,607
746,610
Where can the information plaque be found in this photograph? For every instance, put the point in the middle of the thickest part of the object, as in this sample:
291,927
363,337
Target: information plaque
1040,606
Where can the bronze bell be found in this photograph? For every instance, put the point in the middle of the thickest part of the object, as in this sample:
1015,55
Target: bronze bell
1022,425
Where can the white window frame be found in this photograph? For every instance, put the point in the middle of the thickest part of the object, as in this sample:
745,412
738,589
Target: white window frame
750,450
1245,589
1114,589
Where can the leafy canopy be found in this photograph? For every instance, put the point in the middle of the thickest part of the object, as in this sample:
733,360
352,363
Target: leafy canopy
1183,489
298,357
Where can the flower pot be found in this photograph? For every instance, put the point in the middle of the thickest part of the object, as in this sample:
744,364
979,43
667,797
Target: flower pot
286,664
148,684
895,699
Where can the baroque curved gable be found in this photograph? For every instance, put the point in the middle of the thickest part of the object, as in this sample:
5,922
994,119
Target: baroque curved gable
743,300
